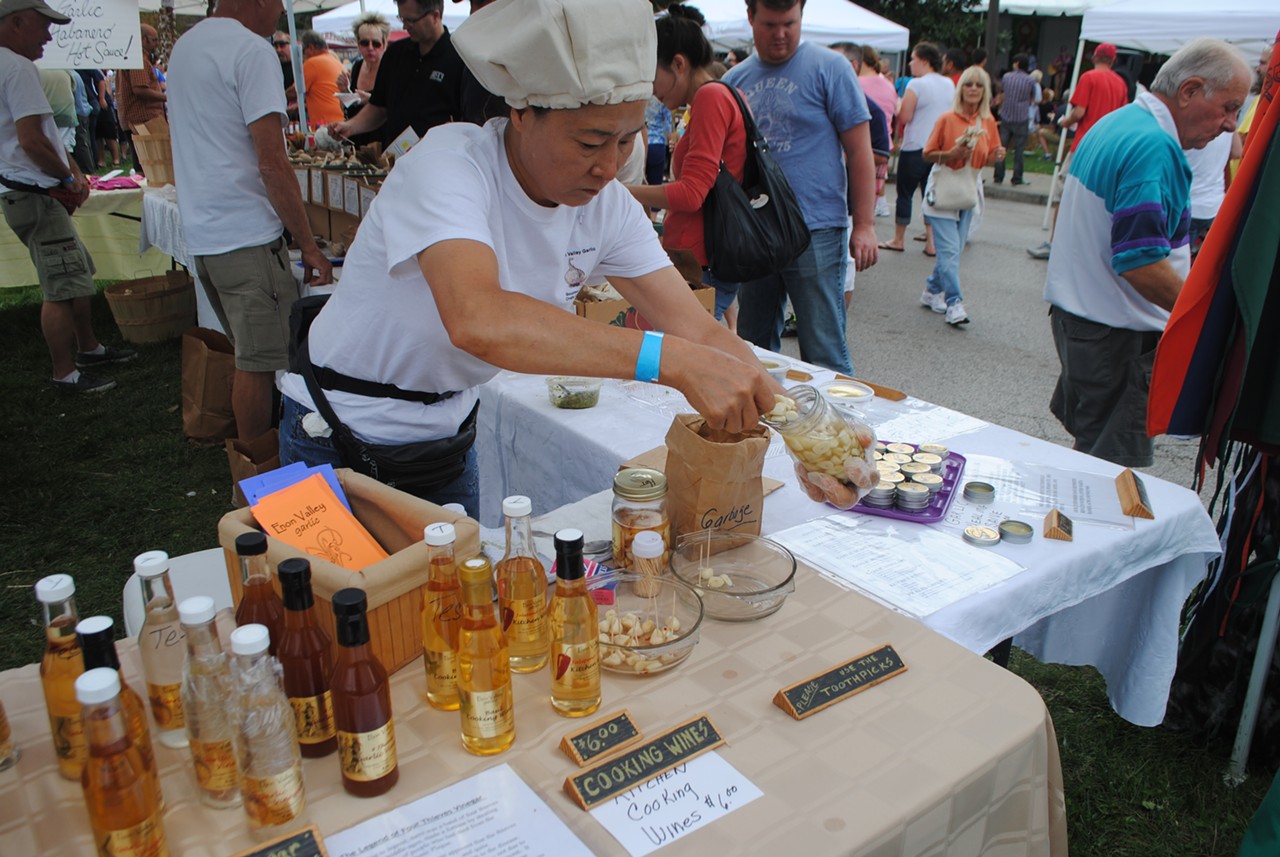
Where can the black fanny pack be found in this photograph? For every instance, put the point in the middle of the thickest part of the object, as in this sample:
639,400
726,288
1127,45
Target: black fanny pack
23,186
415,468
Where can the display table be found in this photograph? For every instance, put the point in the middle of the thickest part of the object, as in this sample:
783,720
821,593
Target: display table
1111,598
108,226
955,756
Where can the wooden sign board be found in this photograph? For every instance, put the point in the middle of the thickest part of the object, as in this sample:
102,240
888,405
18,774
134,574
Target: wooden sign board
1133,495
839,683
300,843
602,738
1058,526
656,756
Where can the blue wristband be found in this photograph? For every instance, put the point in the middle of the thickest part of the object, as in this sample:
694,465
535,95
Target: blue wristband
650,358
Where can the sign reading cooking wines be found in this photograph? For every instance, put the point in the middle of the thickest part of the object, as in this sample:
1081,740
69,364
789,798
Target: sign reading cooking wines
102,34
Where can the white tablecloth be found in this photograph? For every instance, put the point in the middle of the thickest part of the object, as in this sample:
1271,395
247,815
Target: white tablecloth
1110,599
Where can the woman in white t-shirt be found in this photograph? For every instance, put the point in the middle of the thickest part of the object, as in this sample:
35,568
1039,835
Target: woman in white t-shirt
471,256
928,96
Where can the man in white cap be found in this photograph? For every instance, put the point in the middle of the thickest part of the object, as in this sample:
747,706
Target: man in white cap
40,188
474,250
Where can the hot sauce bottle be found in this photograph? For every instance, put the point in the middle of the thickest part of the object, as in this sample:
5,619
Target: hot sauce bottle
206,689
575,633
522,590
361,703
118,791
305,653
441,618
266,740
260,603
161,644
59,668
484,672
98,646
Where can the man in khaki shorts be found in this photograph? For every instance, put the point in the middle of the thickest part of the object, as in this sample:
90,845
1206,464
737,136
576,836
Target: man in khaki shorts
39,188
237,193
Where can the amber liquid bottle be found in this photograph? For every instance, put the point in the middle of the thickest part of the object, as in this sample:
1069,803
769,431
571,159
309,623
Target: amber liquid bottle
161,642
206,691
484,671
575,633
98,646
118,791
59,668
361,703
260,603
305,653
522,590
441,618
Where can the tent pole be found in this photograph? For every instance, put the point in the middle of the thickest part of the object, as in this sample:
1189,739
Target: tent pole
296,57
1062,139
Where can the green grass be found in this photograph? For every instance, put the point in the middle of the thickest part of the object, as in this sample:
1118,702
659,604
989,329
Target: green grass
92,481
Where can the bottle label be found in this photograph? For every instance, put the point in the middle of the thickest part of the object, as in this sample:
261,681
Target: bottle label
276,800
487,714
166,706
367,756
142,840
69,740
314,717
215,765
576,664
525,620
442,671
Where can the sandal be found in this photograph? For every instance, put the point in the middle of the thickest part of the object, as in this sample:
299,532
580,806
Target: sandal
885,245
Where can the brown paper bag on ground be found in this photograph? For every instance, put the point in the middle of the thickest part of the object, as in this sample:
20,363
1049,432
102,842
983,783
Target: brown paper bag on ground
713,477
250,458
208,370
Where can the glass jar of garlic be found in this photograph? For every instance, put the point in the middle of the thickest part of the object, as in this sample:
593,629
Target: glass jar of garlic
639,504
823,442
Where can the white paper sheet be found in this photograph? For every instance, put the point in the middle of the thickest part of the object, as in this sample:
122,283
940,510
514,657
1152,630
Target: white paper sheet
676,803
914,569
927,425
1035,489
493,813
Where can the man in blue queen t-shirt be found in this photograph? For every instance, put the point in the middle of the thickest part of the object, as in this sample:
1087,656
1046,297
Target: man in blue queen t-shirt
809,106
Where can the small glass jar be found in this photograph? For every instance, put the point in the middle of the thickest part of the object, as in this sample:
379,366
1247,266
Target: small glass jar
639,504
822,440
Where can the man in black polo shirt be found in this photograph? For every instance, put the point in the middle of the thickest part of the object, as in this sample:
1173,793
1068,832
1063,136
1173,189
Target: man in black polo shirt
419,81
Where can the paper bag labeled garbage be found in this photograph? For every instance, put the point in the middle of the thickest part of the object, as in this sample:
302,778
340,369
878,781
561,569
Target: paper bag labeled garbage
251,458
713,477
208,370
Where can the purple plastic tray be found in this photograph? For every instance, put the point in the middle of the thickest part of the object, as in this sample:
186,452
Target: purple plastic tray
952,470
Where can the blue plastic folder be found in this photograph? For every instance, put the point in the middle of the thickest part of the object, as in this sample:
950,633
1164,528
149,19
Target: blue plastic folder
257,487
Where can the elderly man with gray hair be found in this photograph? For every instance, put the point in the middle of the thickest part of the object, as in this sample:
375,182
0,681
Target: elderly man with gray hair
1120,253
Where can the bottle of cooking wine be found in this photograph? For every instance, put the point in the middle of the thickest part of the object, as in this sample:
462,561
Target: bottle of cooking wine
60,665
484,671
305,652
441,618
575,633
361,703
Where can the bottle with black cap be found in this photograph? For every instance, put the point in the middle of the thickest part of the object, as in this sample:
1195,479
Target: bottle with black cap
259,602
97,636
305,652
575,633
361,703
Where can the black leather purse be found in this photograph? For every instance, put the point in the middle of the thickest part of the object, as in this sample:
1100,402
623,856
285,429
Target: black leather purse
755,228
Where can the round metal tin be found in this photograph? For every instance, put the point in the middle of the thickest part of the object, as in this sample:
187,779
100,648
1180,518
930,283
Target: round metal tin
897,457
934,449
981,493
933,461
983,537
1016,532
932,481
915,468
904,448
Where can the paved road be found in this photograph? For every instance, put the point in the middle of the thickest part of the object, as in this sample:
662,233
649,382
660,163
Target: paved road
1000,367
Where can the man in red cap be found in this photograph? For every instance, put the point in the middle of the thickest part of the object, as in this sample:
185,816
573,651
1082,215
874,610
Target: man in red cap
1098,91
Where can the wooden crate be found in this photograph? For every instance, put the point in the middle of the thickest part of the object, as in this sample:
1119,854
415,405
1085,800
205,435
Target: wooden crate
394,586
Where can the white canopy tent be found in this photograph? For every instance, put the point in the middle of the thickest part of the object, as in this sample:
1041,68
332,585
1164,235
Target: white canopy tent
824,22
1041,7
1163,26
339,20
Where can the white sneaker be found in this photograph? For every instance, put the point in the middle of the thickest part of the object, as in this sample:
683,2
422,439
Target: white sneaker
1041,252
935,301
956,314
882,207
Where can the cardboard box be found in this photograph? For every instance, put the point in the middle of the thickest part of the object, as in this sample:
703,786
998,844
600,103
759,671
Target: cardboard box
622,314
342,227
394,586
318,217
367,193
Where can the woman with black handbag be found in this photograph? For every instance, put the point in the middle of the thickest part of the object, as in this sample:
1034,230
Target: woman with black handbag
963,141
714,135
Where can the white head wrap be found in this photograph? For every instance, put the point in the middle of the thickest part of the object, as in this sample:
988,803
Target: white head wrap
562,54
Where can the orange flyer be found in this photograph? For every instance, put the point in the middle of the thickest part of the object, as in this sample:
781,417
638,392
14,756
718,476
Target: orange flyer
309,516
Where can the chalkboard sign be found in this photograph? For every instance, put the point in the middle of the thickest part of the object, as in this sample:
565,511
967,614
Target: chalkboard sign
601,738
301,843
655,756
841,682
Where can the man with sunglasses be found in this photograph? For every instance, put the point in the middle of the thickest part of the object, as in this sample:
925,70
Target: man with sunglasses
420,80
280,41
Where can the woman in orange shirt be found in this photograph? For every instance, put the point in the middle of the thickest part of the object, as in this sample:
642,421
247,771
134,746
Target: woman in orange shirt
965,137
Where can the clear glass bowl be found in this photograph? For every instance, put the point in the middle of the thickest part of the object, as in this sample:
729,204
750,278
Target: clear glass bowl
760,573
655,599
